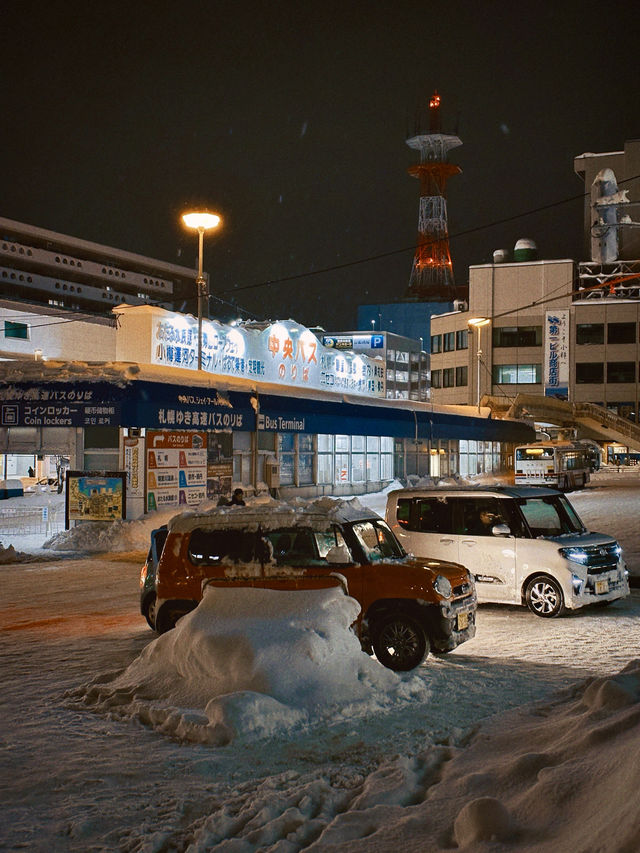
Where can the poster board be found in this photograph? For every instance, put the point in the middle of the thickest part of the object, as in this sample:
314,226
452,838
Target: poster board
176,469
95,496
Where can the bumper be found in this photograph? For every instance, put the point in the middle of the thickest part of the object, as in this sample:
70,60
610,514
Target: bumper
608,586
453,623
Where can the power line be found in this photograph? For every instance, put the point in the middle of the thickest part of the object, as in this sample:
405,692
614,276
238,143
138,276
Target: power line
412,248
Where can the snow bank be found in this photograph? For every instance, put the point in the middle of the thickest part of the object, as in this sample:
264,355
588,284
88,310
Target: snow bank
561,775
253,663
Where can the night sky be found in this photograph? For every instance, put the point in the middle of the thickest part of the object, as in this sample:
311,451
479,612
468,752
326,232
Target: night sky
289,119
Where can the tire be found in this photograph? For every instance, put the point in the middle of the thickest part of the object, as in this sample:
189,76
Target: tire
544,597
149,610
399,642
170,612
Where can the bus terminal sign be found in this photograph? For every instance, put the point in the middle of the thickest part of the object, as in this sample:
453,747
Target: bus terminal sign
284,353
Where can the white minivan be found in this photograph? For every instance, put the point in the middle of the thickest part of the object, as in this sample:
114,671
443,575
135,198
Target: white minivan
524,544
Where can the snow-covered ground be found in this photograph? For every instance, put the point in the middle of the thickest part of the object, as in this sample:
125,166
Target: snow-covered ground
282,736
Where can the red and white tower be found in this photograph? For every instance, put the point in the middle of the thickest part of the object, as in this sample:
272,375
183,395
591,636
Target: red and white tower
432,274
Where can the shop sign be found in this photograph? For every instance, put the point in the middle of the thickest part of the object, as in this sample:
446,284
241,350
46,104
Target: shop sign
284,353
556,353
133,453
176,469
95,496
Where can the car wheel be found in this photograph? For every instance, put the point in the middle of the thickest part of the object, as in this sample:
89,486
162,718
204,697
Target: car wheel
169,613
544,597
399,642
149,608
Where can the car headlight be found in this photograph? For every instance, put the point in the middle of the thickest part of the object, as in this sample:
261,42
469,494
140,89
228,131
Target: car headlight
442,586
576,555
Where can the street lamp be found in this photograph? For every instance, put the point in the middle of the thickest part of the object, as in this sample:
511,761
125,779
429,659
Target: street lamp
478,323
201,222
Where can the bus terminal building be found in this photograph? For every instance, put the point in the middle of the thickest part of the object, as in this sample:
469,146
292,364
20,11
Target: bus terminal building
271,408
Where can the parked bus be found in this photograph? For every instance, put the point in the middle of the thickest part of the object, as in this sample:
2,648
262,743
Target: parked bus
564,465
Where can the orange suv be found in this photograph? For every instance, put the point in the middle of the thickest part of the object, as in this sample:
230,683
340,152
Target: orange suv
409,606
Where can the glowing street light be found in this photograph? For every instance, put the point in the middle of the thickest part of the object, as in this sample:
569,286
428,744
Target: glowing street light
201,221
478,323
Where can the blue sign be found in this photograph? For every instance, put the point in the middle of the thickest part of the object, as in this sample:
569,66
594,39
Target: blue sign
60,404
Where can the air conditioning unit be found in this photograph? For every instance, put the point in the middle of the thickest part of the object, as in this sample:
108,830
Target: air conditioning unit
460,305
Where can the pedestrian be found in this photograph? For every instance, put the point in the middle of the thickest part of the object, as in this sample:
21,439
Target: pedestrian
237,499
31,472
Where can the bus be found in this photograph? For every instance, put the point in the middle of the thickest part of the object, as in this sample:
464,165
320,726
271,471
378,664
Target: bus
565,465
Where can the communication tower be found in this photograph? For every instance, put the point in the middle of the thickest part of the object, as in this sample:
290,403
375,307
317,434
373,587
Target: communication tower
432,273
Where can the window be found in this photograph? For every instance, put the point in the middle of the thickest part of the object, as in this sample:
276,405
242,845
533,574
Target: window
517,374
16,330
436,343
462,339
517,336
589,371
448,377
621,371
461,376
621,333
436,379
590,333
449,342
286,457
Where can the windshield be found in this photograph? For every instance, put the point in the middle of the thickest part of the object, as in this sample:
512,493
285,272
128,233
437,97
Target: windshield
377,541
551,515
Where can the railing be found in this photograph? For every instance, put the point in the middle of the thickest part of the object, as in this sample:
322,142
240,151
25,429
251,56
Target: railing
24,521
607,419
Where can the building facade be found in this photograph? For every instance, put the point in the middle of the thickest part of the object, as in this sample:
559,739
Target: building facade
45,268
406,362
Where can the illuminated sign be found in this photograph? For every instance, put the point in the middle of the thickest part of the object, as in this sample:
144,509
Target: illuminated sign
556,353
283,353
176,469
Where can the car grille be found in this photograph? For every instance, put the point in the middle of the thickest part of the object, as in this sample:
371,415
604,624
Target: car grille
602,558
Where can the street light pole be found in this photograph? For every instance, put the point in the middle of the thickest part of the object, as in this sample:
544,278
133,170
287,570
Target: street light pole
478,323
201,222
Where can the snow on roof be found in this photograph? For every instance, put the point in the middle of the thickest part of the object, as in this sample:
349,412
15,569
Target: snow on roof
266,513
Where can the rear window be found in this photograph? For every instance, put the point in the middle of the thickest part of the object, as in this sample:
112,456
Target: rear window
209,547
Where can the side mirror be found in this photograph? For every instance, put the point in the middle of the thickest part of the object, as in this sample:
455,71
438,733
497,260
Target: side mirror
501,529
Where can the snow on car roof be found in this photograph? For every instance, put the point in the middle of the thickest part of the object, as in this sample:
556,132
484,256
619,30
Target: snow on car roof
318,514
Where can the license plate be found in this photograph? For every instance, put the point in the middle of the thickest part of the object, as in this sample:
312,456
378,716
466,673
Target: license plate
602,587
463,621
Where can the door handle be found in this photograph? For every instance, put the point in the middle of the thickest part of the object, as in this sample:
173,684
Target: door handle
445,541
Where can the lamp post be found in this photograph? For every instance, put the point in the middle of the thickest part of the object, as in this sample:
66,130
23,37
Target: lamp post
201,222
478,323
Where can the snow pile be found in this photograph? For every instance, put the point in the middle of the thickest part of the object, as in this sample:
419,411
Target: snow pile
561,775
253,663
10,555
103,536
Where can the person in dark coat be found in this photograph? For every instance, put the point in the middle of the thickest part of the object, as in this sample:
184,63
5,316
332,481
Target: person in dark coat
237,498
